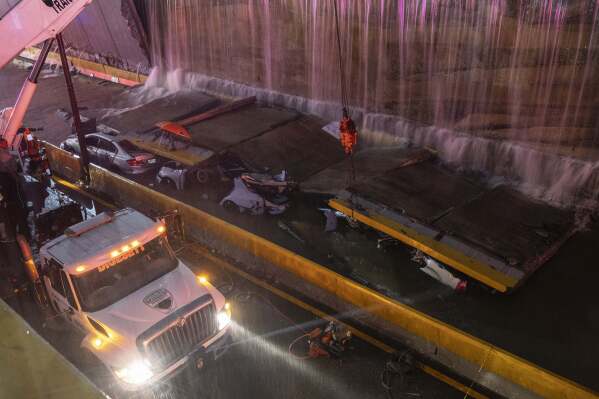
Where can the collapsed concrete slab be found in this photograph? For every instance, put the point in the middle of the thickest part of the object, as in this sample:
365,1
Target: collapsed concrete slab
300,146
265,137
143,117
370,162
496,236
229,129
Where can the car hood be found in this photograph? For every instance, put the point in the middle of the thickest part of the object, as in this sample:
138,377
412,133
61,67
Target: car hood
140,310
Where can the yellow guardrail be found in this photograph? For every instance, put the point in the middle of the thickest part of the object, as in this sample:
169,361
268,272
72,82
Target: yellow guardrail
90,68
487,357
30,368
183,156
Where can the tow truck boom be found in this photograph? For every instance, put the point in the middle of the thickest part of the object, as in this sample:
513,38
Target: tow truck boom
26,23
30,22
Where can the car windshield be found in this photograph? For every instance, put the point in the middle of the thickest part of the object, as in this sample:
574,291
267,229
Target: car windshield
128,146
109,283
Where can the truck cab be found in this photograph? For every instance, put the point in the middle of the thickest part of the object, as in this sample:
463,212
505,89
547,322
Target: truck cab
142,312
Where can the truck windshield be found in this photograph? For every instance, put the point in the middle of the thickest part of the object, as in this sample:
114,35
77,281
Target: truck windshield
104,286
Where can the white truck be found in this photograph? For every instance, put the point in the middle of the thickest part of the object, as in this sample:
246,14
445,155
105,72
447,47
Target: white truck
143,312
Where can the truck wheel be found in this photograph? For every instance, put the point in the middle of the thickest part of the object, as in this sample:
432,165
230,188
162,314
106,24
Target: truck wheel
101,375
89,360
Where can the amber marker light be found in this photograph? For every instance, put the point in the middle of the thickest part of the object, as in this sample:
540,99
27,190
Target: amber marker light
135,244
97,342
161,229
80,269
203,279
114,254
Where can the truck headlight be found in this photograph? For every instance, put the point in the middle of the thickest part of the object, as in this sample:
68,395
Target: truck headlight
136,373
224,317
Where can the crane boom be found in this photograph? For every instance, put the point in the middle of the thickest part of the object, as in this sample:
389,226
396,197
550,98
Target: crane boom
26,23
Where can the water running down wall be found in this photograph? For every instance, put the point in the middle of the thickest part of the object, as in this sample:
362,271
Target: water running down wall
522,69
481,81
557,179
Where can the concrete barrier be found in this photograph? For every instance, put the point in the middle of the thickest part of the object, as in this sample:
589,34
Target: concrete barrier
90,68
65,164
490,366
31,368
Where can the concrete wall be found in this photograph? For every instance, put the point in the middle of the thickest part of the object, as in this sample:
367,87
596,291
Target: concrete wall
522,69
515,69
109,32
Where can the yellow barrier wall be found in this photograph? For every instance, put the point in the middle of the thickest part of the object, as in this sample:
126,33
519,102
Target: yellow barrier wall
91,68
486,357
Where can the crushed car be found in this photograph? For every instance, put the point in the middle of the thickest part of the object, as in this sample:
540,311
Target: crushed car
224,166
113,153
244,198
252,192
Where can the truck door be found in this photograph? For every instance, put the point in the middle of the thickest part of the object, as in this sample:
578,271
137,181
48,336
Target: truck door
61,296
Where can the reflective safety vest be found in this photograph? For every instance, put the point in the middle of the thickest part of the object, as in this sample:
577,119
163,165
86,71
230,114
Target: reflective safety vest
348,134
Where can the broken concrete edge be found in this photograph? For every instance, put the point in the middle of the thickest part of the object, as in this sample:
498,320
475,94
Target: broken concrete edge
476,266
537,262
41,370
185,157
90,68
473,358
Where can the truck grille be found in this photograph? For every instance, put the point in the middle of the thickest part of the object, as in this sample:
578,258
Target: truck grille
181,336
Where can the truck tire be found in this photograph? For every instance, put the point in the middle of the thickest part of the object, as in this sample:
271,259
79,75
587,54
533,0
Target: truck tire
101,375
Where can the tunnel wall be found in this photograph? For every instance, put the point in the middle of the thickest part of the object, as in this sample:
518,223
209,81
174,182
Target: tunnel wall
109,32
503,88
522,70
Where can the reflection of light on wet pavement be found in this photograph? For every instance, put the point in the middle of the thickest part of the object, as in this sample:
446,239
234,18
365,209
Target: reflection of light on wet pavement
264,351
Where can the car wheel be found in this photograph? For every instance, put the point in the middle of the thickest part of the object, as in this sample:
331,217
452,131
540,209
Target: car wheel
68,148
167,184
230,206
202,176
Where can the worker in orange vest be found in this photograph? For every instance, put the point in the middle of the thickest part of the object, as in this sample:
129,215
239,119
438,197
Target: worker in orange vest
35,152
348,134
